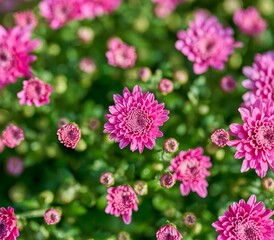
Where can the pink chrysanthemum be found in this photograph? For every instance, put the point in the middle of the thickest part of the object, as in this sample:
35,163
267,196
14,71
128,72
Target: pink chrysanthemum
12,136
228,84
135,119
246,221
190,168
121,201
15,46
249,21
166,86
164,8
255,138
206,42
26,19
8,228
35,92
167,180
69,134
168,232
52,216
220,137
107,179
120,54
260,80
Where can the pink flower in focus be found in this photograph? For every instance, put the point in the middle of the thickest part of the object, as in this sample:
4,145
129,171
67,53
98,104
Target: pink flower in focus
228,84
167,180
168,232
135,119
220,137
121,201
35,92
87,65
255,138
8,228
249,21
52,216
164,8
190,168
15,166
166,86
15,46
206,42
120,54
69,134
12,136
246,221
26,19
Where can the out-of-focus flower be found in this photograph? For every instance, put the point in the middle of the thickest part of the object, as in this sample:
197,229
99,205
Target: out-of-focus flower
35,92
140,187
26,19
120,54
171,145
52,216
15,166
69,135
181,76
94,123
12,136
255,138
167,180
228,84
107,179
246,220
121,201
164,8
206,42
168,232
189,219
190,168
87,65
268,184
144,73
249,21
85,34
135,119
166,86
220,137
8,230
123,236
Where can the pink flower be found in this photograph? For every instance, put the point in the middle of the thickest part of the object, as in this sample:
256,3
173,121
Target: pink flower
87,65
69,134
249,21
171,145
167,180
206,42
15,46
15,166
107,179
190,168
255,138
35,92
228,84
163,8
8,228
135,119
166,86
120,54
26,19
168,232
121,201
52,216
246,221
220,137
12,136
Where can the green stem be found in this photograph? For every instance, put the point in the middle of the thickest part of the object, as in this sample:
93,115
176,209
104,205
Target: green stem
32,214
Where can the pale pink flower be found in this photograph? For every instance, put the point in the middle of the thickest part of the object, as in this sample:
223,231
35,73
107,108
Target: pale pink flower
206,42
121,201
135,119
144,73
164,8
52,216
8,228
87,65
255,137
246,221
120,54
171,145
220,137
249,21
15,166
107,179
35,92
85,34
12,136
26,19
190,168
228,84
268,184
15,46
69,134
168,232
165,86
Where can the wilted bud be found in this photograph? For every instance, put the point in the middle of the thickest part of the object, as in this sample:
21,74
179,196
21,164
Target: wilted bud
189,219
167,180
52,216
140,187
165,86
107,179
171,145
220,137
123,236
268,184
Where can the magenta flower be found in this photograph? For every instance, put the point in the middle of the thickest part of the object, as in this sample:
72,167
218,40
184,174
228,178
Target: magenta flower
121,201
52,216
167,180
255,138
206,42
249,21
168,232
35,92
8,228
12,136
165,86
228,84
15,166
26,19
135,119
220,137
69,134
246,221
190,168
164,8
15,46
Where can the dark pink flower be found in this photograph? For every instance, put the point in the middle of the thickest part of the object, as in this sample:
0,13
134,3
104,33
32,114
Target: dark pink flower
121,201
190,168
206,42
15,166
228,84
164,8
135,119
249,21
52,216
26,19
255,138
166,86
167,180
246,221
12,136
69,134
220,137
8,228
168,232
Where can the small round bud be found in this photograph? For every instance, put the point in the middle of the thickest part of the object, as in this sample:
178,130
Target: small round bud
181,76
15,166
140,187
171,145
220,137
144,74
228,84
189,219
166,86
268,184
107,179
94,123
85,34
87,65
167,180
52,216
123,236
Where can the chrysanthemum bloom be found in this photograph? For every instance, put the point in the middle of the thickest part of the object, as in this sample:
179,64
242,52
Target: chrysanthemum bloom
52,216
26,19
171,145
246,221
268,184
35,92
2,145
168,232
190,168
69,135
249,21
15,46
164,8
85,34
135,119
8,228
144,73
12,136
15,166
189,219
121,201
255,138
228,84
206,42
120,54
141,188
107,179
165,86
167,180
220,137
87,65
